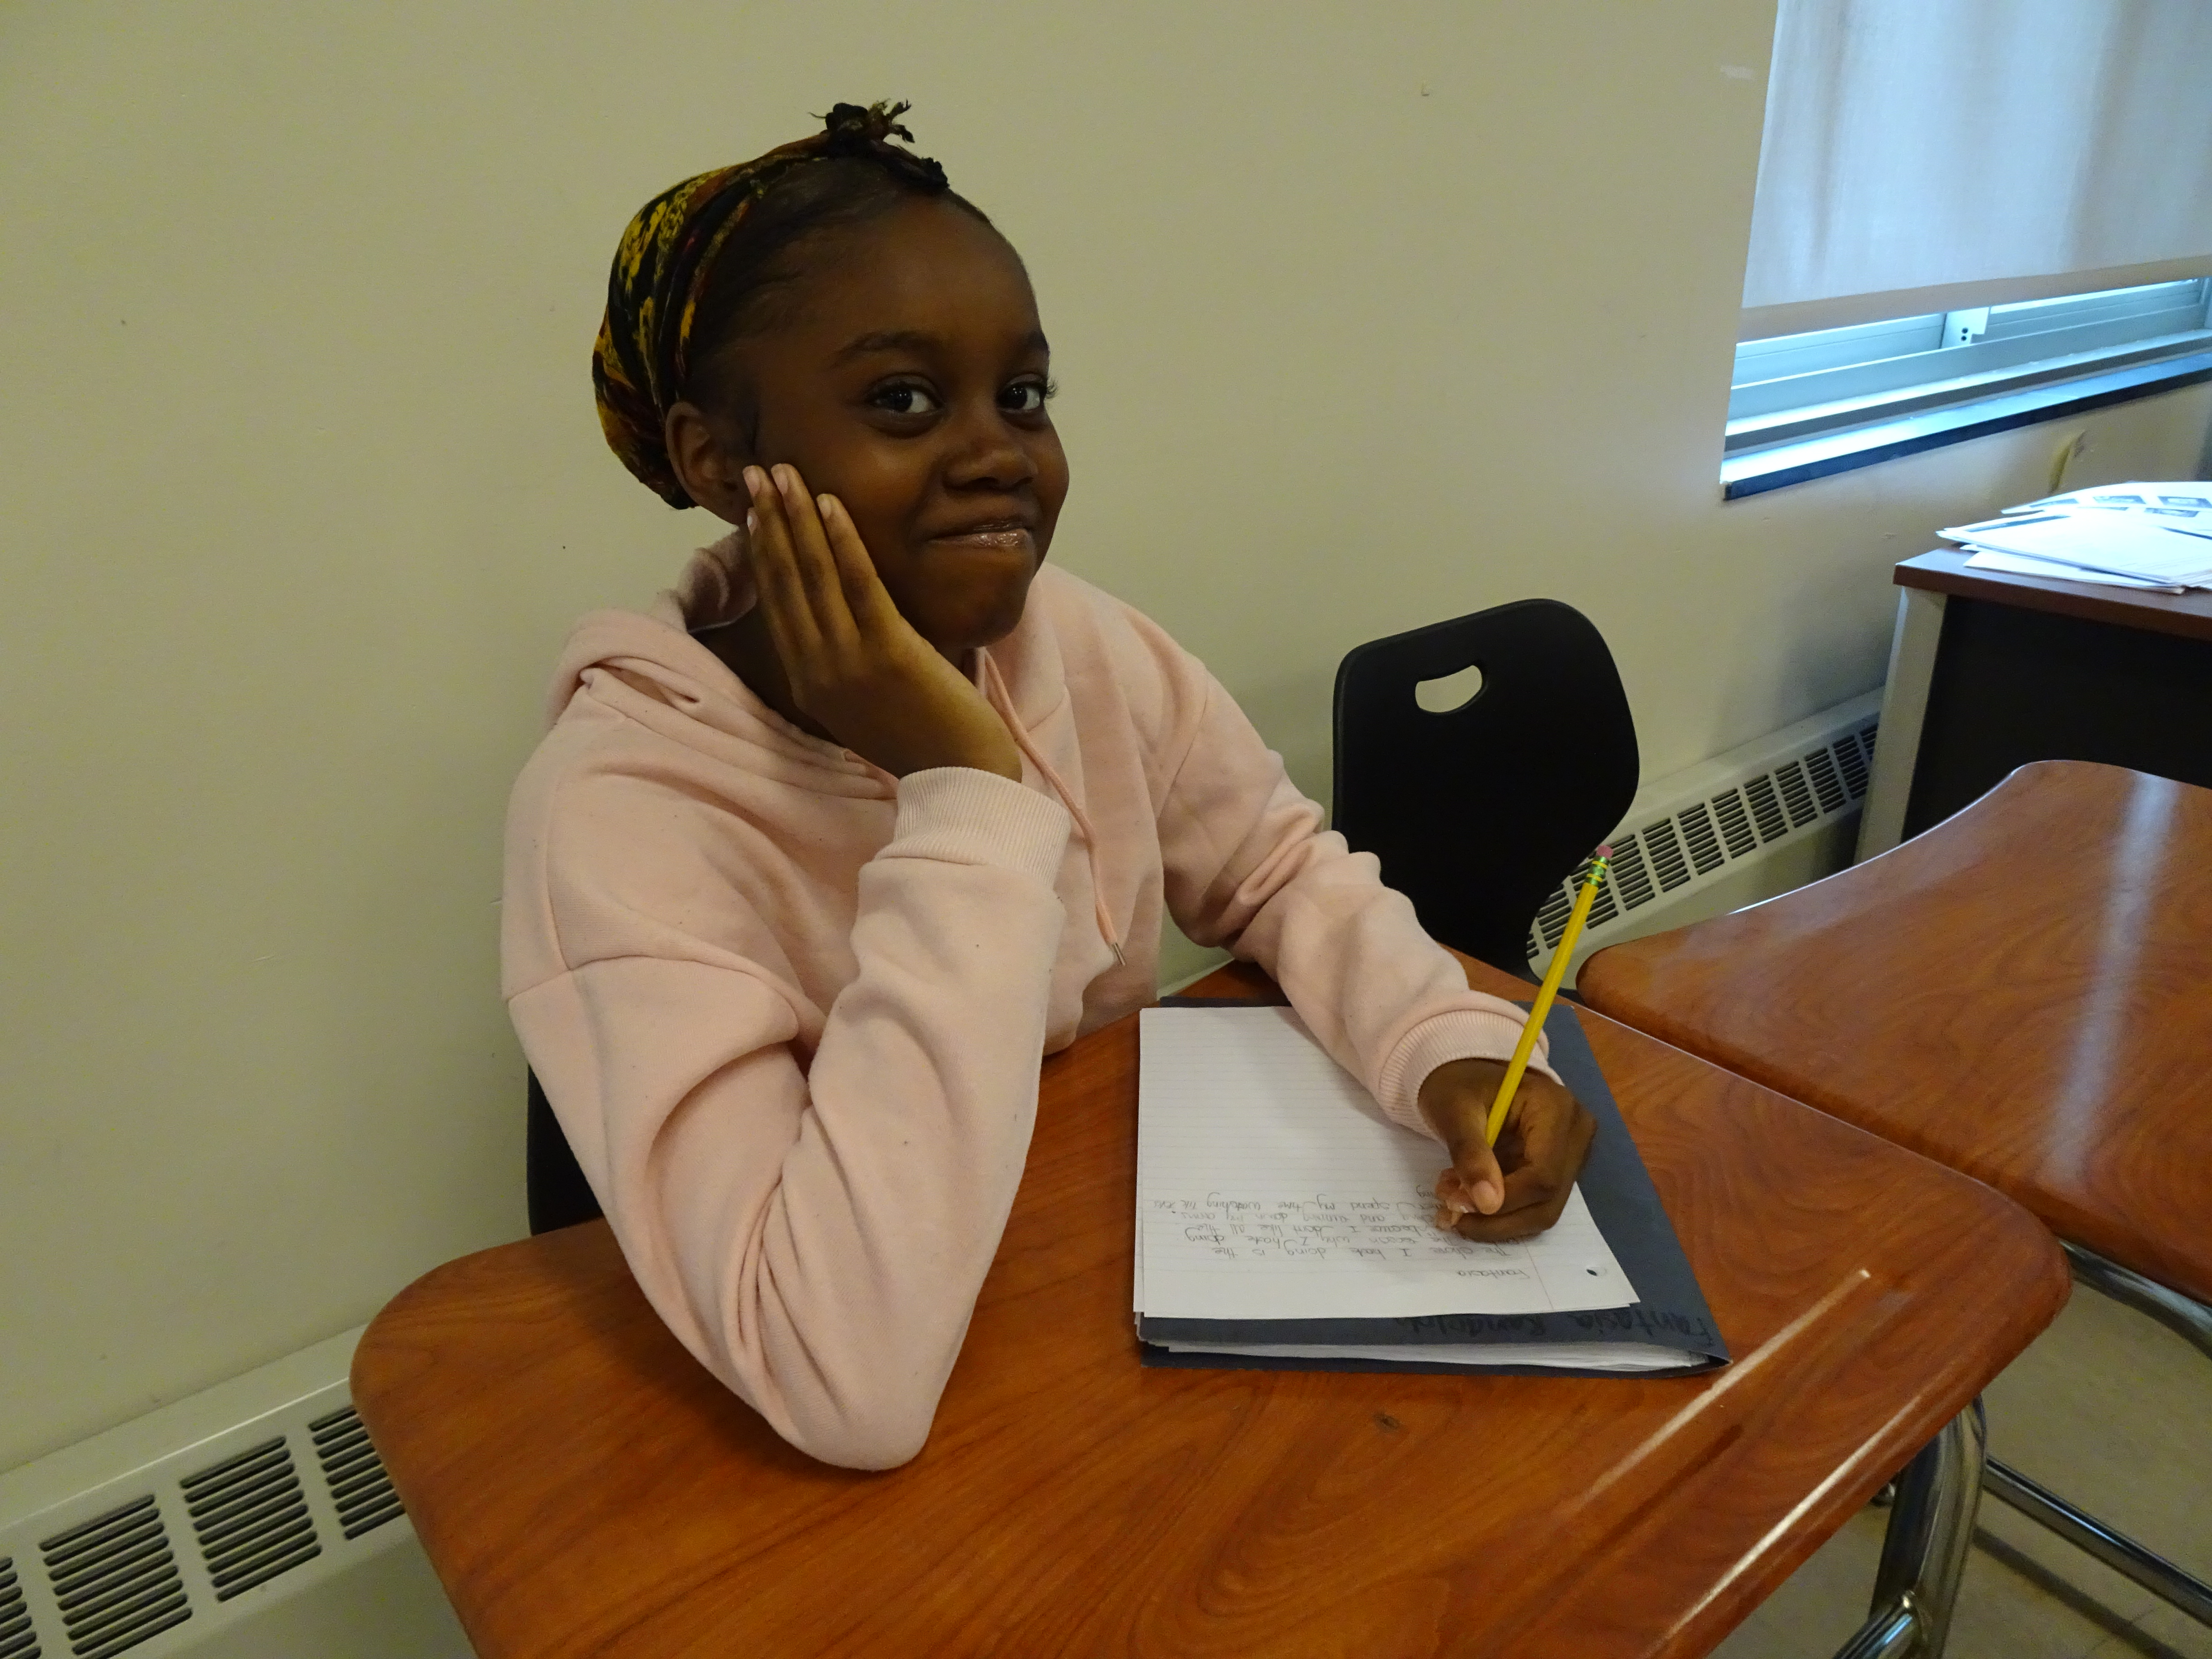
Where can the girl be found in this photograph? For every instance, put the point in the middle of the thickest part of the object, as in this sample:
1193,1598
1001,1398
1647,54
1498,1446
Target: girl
824,852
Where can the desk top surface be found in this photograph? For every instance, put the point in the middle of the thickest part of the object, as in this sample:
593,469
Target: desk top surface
582,1487
1946,571
2023,992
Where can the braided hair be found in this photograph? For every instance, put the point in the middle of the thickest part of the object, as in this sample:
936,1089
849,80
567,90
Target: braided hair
707,262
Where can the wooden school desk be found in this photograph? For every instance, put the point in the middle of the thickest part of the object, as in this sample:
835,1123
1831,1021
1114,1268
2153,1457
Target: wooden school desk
2023,992
582,1487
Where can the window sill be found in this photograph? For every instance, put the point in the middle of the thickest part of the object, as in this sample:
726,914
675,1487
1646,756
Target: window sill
1754,472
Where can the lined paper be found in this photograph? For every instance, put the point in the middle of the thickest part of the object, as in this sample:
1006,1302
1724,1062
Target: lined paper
1269,1186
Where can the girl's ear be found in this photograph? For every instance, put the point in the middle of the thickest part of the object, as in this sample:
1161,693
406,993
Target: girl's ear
710,464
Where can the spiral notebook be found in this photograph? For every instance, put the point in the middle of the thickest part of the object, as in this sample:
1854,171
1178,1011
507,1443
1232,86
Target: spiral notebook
1284,1222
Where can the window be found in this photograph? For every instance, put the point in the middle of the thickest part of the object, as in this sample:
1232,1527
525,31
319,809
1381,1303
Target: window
1970,215
1945,375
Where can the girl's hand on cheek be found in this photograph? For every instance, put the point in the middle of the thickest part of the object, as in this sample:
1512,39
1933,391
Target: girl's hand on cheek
853,662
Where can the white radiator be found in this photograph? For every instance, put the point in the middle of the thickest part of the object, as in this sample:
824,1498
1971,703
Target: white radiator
1771,815
181,1531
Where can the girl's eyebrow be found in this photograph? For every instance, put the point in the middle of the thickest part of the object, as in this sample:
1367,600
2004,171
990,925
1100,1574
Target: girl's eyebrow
870,345
915,340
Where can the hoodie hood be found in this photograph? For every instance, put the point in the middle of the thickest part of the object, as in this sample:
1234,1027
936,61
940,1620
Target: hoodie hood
651,661
716,588
647,664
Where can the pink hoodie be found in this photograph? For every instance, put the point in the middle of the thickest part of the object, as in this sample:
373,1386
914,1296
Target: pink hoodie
789,1009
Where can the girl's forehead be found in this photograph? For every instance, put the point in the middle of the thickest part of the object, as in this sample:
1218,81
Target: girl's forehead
926,267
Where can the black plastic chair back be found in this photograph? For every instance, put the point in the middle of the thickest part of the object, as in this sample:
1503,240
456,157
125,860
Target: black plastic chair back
1480,813
559,1194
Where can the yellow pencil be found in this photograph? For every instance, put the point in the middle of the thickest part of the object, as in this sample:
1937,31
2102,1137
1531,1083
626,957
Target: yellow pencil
1545,997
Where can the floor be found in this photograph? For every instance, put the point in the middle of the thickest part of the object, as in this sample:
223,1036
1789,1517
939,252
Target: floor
2107,1408
2113,1412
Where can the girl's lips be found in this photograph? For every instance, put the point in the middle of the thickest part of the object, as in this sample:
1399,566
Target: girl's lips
1010,538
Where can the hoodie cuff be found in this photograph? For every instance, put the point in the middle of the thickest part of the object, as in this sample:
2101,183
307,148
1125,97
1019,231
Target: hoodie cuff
958,815
1460,1033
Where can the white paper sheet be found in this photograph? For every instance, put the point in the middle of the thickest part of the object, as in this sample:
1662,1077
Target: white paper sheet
1269,1186
2135,497
2124,544
2016,564
1625,1357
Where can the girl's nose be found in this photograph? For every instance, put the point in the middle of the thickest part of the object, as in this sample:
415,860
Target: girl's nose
988,451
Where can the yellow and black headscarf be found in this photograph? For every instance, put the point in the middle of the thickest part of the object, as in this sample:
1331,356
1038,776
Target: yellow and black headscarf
641,363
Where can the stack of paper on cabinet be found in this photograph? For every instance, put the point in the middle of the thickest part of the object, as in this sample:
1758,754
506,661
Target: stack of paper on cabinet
1283,1221
2127,535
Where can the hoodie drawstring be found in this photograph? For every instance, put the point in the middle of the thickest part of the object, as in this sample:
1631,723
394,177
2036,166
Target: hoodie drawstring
994,689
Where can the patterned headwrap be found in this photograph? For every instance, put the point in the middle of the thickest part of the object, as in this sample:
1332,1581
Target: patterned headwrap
640,364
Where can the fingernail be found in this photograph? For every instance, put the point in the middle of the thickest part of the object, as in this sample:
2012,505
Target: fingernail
825,505
1487,1198
756,480
752,522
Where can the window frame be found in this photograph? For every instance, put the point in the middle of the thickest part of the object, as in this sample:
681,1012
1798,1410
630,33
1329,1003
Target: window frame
1850,397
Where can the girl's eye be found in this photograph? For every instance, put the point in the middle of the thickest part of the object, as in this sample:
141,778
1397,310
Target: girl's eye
1026,397
905,399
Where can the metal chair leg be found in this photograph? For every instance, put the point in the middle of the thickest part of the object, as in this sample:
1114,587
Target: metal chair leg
2092,1537
2190,1320
1924,1553
1931,1526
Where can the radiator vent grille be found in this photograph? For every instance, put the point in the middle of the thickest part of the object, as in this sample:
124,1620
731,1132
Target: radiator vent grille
1796,794
1735,824
1702,837
1630,876
251,1518
1855,765
1821,768
359,1486
155,1537
1766,807
17,1639
1665,849
115,1580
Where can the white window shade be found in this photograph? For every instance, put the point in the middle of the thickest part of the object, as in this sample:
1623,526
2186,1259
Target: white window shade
1919,152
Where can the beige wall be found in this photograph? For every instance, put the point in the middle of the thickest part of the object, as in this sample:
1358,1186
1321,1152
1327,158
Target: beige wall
1365,313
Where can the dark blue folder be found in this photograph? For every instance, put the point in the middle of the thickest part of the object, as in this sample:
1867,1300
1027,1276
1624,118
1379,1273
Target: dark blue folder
1671,1313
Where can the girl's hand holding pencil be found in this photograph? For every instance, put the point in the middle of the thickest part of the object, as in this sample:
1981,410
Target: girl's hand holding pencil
1518,1187
1514,1163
